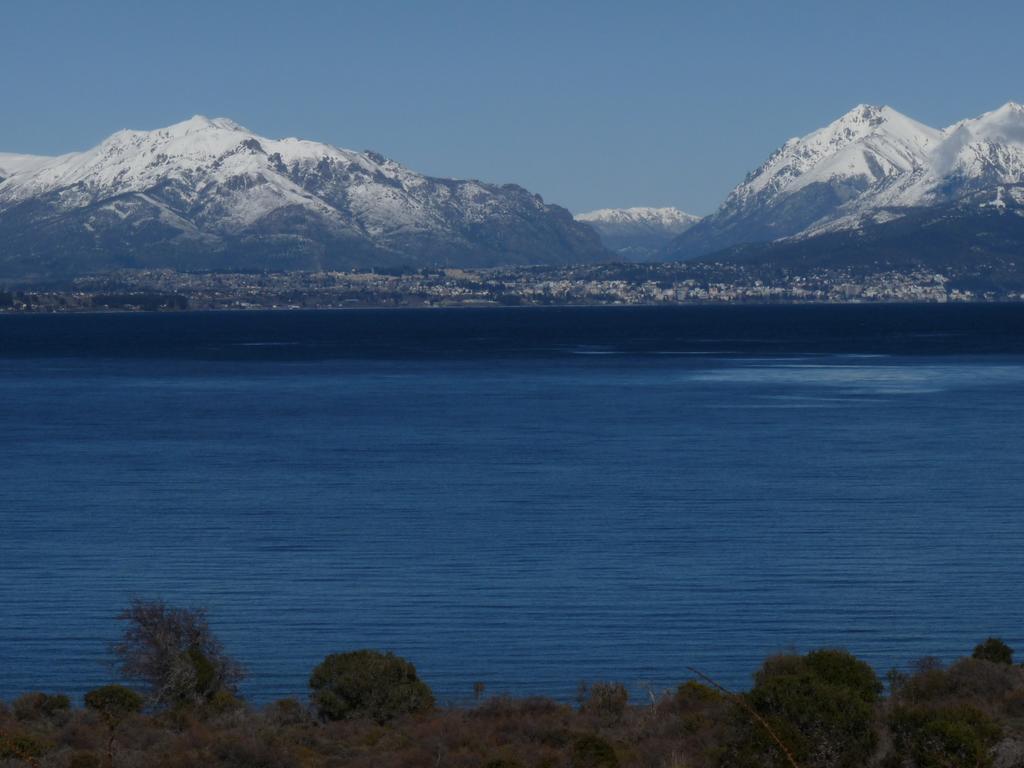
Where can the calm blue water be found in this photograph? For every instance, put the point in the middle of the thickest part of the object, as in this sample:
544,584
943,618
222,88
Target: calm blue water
526,498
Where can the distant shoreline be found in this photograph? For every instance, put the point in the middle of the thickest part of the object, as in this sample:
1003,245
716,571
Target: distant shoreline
621,284
436,307
107,310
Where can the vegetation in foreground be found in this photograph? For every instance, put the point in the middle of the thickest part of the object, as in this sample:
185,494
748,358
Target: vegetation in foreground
824,709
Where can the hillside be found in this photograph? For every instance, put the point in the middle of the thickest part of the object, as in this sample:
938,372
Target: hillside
210,195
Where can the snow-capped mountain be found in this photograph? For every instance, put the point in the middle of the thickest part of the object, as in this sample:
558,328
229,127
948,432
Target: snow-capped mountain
988,149
984,153
865,146
974,154
209,194
876,185
12,164
809,179
638,233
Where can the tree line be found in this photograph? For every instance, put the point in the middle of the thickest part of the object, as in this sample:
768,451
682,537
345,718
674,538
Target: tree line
822,709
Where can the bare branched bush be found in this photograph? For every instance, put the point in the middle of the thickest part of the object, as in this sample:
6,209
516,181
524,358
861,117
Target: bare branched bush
175,654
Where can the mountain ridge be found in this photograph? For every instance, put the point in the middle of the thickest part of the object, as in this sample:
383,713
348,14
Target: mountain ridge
871,166
638,233
209,194
207,191
808,179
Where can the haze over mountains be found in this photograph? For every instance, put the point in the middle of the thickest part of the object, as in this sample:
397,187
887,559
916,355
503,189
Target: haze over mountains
872,188
209,194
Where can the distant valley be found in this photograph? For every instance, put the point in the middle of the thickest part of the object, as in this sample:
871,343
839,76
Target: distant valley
638,234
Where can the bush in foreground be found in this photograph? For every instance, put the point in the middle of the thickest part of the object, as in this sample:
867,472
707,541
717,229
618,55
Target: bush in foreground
114,702
593,752
994,650
825,708
942,737
820,706
605,701
22,747
41,706
368,684
175,653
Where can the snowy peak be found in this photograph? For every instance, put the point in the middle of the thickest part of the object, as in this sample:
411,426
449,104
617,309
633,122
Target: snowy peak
869,167
11,164
866,145
200,159
638,233
209,188
970,156
808,180
201,123
989,147
669,219
1005,124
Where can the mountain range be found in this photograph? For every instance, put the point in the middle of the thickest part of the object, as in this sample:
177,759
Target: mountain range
876,187
638,234
209,194
873,188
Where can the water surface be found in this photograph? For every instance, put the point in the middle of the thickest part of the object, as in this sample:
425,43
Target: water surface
525,498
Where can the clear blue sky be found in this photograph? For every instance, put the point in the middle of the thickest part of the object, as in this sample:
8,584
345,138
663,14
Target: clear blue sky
592,104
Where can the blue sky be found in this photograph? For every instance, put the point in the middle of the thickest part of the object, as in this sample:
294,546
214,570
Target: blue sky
592,104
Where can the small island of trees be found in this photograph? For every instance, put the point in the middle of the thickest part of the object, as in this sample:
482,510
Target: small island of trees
824,709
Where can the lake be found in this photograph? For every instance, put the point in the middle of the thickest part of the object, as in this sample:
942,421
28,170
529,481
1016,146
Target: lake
522,497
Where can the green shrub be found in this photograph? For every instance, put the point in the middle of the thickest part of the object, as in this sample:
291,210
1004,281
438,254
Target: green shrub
942,737
367,684
995,650
896,679
19,746
606,701
288,712
40,706
844,670
593,752
703,713
692,694
926,685
114,702
223,702
972,680
821,706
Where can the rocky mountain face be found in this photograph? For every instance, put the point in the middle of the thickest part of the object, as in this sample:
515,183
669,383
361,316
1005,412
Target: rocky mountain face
208,194
857,178
638,234
982,230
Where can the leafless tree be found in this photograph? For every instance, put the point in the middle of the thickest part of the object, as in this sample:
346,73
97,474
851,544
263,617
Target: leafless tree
175,654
